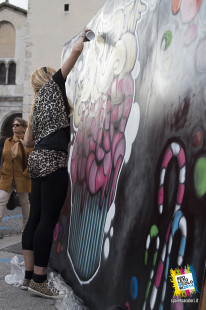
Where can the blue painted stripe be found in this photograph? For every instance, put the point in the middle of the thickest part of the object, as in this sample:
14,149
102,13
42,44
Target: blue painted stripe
167,267
182,246
11,217
7,260
1,228
194,279
175,224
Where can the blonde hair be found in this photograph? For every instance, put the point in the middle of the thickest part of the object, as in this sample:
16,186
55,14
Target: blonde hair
38,78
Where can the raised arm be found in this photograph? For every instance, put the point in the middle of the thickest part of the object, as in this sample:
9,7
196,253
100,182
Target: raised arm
29,138
75,53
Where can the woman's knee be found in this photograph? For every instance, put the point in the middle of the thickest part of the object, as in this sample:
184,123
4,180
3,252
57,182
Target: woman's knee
23,199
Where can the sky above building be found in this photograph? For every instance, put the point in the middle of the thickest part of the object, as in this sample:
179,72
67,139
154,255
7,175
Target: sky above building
21,3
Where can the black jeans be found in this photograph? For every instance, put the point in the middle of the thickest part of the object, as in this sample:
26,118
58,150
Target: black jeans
47,198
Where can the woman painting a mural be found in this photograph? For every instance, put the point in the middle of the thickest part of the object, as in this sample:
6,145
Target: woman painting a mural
49,133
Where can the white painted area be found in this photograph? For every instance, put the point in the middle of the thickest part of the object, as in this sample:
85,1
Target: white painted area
160,209
151,274
175,148
158,243
111,232
110,216
148,242
183,226
177,207
69,160
153,297
182,175
162,176
106,248
179,260
163,253
152,4
136,70
131,129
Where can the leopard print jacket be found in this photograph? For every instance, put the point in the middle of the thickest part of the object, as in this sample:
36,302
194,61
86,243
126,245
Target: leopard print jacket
49,112
49,115
44,162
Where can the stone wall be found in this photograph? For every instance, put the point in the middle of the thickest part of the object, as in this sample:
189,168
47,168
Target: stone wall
49,27
11,96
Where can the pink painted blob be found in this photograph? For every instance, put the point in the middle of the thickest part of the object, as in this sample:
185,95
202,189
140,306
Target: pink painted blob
106,141
189,9
180,193
177,306
92,177
181,158
127,305
190,34
100,178
159,274
99,147
161,195
167,158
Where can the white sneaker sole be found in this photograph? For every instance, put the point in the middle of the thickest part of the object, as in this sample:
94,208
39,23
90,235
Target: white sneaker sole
44,295
25,288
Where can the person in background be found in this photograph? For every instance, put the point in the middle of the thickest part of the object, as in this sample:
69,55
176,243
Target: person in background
2,140
49,133
14,172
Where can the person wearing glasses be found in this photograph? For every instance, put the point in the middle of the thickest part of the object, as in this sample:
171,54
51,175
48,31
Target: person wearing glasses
49,132
14,171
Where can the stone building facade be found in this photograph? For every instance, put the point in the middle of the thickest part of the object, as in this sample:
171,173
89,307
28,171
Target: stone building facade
32,39
50,24
12,59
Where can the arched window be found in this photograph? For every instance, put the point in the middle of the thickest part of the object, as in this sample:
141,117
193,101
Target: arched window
2,73
7,40
12,73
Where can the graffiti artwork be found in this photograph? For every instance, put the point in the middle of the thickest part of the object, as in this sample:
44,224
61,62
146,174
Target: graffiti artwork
135,208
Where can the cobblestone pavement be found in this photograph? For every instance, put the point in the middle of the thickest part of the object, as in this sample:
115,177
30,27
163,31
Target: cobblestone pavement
14,298
11,297
12,222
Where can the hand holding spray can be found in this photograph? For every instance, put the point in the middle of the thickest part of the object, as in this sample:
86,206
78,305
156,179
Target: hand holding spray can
90,35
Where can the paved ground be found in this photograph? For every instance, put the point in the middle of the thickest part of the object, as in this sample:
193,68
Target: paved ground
13,298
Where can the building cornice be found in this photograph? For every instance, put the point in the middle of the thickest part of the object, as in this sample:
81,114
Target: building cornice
7,5
11,99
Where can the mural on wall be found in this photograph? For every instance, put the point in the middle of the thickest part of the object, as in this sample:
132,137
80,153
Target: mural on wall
178,222
135,211
105,116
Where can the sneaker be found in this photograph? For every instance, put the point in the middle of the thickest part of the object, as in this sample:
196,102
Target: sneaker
45,289
25,284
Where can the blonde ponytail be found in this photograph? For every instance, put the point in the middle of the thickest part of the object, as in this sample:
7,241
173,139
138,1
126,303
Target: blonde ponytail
38,78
